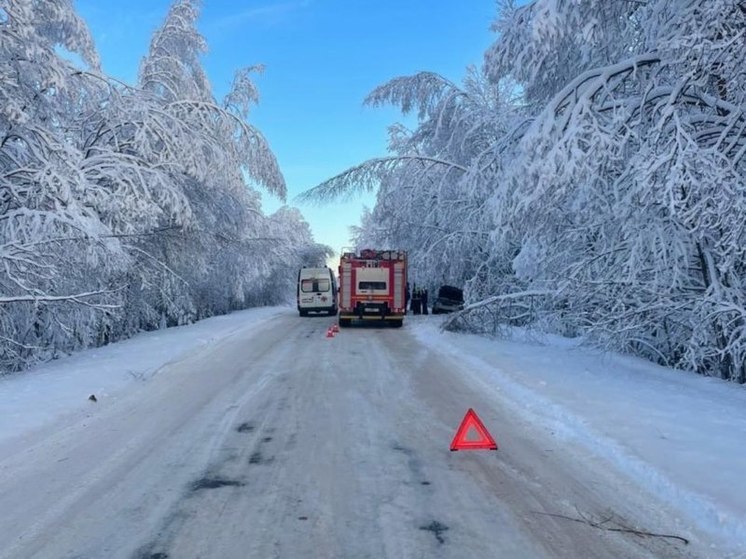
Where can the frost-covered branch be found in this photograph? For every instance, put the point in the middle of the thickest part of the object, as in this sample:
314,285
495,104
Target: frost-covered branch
366,177
78,298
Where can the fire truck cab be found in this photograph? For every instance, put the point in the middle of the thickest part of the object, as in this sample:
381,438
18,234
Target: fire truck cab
372,286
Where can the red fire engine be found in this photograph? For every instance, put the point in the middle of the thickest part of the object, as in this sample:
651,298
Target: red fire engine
372,286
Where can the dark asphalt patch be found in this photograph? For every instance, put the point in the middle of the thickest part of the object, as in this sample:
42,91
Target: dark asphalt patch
437,529
245,428
266,439
413,463
148,553
403,449
302,518
256,458
215,483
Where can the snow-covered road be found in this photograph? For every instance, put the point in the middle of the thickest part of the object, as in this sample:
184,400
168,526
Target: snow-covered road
280,442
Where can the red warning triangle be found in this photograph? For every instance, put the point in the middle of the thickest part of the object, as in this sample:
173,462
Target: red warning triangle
471,421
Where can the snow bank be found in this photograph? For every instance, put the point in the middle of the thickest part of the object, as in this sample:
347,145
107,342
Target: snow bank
683,436
40,395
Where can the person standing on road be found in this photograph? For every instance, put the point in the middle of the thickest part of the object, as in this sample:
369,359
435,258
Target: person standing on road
424,301
417,301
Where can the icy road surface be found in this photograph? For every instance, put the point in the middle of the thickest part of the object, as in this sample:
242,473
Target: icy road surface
280,442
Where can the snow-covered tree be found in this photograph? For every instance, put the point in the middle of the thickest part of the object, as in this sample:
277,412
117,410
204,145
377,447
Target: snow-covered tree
45,201
629,192
211,150
125,208
431,192
601,173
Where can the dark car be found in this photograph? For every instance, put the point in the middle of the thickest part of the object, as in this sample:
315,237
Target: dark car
450,299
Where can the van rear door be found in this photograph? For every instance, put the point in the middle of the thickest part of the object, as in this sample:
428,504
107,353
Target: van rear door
316,291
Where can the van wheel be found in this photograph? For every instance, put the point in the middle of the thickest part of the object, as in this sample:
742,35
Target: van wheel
333,312
303,313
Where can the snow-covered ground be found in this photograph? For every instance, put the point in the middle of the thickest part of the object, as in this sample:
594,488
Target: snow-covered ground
39,396
679,435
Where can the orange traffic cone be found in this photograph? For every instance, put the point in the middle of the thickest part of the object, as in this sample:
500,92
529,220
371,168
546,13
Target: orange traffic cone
330,333
335,328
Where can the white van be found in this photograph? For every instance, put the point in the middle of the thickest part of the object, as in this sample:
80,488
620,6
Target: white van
317,291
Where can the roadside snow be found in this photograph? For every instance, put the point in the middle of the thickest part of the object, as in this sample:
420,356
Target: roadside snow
36,397
683,436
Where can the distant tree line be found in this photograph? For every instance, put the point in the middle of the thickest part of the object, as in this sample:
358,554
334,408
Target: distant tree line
587,180
128,207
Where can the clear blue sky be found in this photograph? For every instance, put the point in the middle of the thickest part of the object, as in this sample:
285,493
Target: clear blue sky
322,58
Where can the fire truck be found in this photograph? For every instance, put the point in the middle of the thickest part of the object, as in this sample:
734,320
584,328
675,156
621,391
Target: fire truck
372,286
